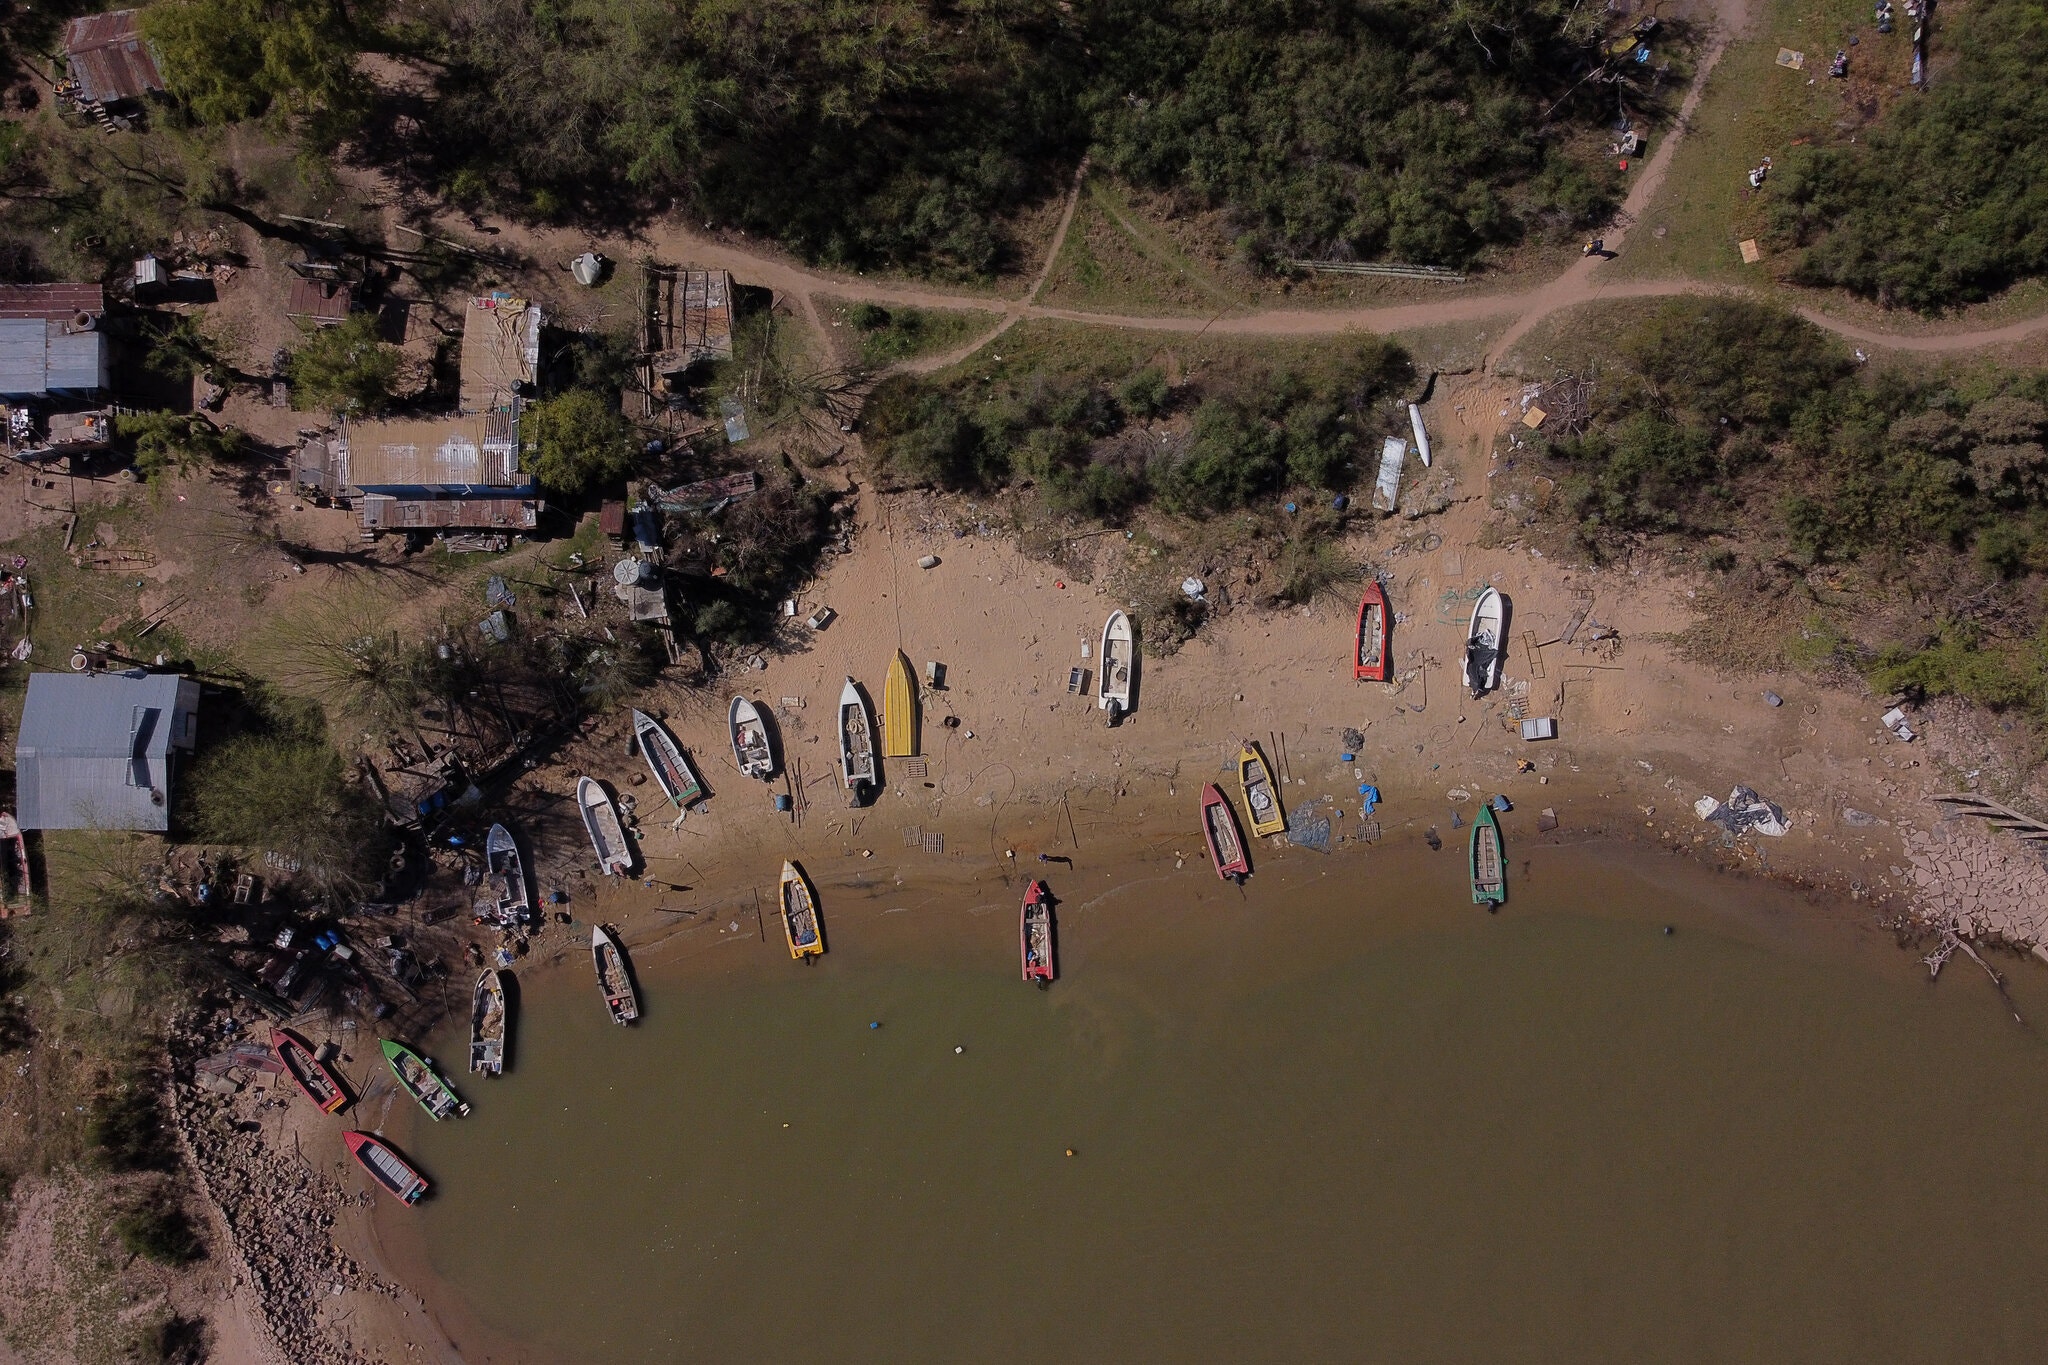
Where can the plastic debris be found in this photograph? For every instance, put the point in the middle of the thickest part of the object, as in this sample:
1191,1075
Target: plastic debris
1773,699
1743,812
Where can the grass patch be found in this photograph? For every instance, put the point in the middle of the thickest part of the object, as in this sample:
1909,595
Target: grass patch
889,336
1114,259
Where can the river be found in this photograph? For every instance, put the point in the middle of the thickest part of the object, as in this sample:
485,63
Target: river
1342,1116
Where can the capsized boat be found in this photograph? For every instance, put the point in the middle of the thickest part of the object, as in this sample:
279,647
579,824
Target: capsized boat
386,1166
313,1076
800,914
607,835
1119,663
1035,932
1485,642
1261,792
751,747
1489,867
613,978
1219,830
13,863
505,878
417,1077
665,759
856,739
1375,632
899,711
487,1024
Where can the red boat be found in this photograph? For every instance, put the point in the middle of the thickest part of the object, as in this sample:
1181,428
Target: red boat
1375,633
320,1084
1226,842
386,1166
1035,933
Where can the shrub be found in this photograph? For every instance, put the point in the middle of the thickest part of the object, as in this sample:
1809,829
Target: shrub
1232,457
125,1128
346,368
576,441
158,1229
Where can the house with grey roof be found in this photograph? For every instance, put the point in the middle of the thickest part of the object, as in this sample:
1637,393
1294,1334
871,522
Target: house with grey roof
50,340
101,750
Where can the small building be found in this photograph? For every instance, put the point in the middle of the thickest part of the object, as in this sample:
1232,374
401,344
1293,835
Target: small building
383,513
500,352
439,457
689,322
30,437
50,340
109,61
319,302
101,750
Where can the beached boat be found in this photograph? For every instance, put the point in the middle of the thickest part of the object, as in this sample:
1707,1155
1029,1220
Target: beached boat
751,748
1261,793
613,976
487,1024
665,759
856,739
1489,864
1485,643
313,1076
14,895
1119,666
607,835
899,711
1219,830
505,878
386,1166
1035,932
800,914
417,1077
1375,635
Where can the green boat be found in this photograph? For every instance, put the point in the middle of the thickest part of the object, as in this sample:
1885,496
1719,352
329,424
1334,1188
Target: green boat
417,1077
1489,866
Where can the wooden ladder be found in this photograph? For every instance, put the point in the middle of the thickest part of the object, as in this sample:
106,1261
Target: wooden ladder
1993,814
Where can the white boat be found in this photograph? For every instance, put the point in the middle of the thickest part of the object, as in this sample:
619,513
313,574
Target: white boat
856,739
607,835
1119,666
505,879
1486,642
751,747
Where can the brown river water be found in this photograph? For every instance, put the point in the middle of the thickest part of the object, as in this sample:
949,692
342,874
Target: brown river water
1342,1116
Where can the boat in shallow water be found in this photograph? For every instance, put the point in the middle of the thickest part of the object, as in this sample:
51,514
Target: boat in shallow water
800,914
666,760
751,748
856,740
1489,866
487,1024
614,979
1220,832
1374,656
417,1077
1261,792
313,1076
601,821
390,1170
1034,932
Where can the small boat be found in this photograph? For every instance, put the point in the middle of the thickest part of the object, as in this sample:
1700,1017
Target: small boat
1489,867
1261,793
1485,643
1119,664
607,835
13,863
1035,932
505,876
672,771
856,739
1375,635
800,914
899,711
313,1076
386,1166
613,978
417,1077
487,1024
751,748
1219,828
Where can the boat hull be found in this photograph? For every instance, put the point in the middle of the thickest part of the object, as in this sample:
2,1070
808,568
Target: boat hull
800,922
899,711
1224,838
1372,658
601,823
509,902
856,740
1034,934
1118,674
417,1077
315,1079
666,761
1262,803
1485,642
614,976
488,1024
1488,859
753,751
392,1173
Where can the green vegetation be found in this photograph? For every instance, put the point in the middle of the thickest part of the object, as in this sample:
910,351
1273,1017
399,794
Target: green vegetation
286,790
125,1127
229,60
576,441
1941,203
155,1227
346,368
182,443
890,335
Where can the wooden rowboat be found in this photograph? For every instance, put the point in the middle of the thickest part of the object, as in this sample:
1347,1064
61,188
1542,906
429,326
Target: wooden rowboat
1375,635
1485,643
800,914
899,711
313,1076
487,1024
1035,933
1489,864
1119,666
614,979
607,835
751,748
505,878
386,1166
1219,829
1261,793
417,1077
856,739
666,760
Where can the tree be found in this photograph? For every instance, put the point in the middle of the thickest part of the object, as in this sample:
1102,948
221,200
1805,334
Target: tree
289,793
576,440
230,60
184,443
345,368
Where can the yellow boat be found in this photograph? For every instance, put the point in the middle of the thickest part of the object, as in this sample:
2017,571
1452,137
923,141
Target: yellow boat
899,711
1261,793
800,914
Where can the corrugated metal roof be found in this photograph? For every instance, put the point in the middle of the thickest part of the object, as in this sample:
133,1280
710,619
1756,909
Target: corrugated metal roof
500,351
24,356
109,58
55,302
95,749
382,513
320,300
76,360
460,452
